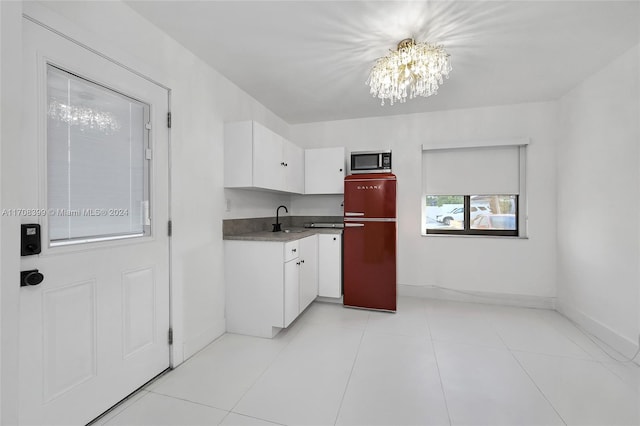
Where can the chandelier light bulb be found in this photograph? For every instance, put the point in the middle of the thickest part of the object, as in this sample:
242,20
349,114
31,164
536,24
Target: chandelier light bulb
414,69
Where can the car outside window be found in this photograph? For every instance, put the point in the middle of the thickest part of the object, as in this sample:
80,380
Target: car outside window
489,215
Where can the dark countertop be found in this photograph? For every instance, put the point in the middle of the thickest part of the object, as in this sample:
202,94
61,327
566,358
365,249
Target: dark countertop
283,237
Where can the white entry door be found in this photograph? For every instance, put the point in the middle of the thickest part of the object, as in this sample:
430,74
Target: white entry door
94,175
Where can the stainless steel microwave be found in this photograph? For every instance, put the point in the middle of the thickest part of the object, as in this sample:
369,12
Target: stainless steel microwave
371,162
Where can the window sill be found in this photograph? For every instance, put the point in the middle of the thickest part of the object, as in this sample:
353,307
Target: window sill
504,237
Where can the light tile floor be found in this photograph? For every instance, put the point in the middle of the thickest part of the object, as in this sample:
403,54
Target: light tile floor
431,363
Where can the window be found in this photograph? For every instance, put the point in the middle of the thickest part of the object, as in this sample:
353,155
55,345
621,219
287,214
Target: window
487,215
97,168
474,190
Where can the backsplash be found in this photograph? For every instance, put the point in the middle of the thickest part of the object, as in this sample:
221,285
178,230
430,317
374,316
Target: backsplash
261,224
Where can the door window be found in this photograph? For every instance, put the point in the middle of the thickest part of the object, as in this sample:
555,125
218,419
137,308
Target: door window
97,161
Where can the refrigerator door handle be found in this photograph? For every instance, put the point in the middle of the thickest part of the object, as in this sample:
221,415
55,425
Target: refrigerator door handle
353,225
353,214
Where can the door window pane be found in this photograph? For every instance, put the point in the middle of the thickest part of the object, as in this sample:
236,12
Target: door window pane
97,172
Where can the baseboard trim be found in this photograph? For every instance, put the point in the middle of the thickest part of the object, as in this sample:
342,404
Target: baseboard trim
442,293
337,300
625,346
193,346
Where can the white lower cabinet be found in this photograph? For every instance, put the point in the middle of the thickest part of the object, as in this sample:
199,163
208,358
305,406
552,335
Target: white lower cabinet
330,265
308,271
268,283
291,291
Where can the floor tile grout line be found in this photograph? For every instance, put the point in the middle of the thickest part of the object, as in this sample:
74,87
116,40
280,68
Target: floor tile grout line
116,413
635,389
265,370
187,400
253,417
566,335
534,382
353,366
224,418
592,338
556,355
428,320
444,394
435,357
244,393
190,401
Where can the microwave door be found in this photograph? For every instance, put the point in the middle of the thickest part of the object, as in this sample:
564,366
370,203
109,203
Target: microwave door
364,162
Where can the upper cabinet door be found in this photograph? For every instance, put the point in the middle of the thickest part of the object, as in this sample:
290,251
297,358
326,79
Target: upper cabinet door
255,157
324,170
294,167
268,162
238,154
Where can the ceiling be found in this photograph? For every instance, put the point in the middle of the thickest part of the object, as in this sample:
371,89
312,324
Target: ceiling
308,60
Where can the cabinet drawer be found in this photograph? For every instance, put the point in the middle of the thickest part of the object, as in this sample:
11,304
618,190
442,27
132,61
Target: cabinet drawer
291,250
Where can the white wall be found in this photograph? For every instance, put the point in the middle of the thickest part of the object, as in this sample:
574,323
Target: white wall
201,101
317,205
245,203
520,267
599,201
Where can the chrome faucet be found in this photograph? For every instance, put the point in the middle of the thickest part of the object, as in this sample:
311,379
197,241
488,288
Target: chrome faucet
276,226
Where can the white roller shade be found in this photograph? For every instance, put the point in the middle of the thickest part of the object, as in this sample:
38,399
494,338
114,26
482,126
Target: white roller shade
471,171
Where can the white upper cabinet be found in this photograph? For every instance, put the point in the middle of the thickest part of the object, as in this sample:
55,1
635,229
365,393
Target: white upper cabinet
256,157
268,162
294,167
324,170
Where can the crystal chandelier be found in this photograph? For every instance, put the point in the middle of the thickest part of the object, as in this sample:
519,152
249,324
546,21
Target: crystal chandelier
414,69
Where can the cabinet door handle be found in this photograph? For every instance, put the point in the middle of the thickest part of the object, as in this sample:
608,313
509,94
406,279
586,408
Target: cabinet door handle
302,261
298,263
334,238
294,250
282,164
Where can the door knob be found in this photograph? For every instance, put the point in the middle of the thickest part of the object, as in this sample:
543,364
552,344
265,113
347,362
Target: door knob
29,278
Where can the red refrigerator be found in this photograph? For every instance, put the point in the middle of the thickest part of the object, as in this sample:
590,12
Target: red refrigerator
370,241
